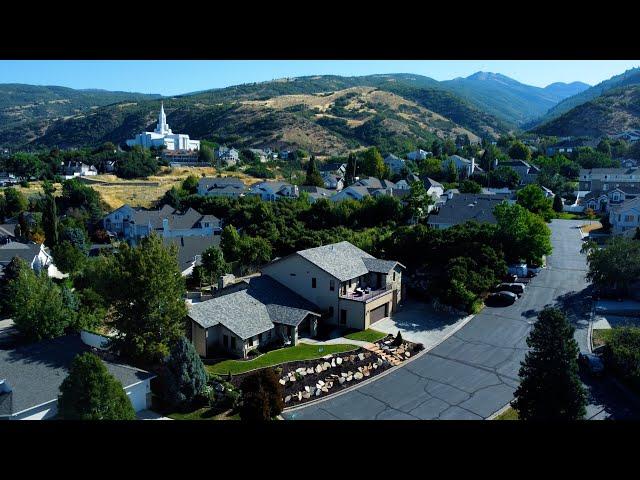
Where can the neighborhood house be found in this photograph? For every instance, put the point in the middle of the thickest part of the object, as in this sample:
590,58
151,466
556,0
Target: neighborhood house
337,285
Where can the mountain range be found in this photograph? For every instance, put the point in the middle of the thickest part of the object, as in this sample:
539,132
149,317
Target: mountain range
325,114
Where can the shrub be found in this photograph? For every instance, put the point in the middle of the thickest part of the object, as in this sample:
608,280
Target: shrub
398,340
261,396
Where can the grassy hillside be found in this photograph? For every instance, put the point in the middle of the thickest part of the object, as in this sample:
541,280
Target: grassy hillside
630,77
614,111
27,110
395,117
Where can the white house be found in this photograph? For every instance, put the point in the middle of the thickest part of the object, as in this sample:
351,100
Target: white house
31,375
625,218
274,190
34,254
163,136
465,167
332,182
78,169
418,155
132,223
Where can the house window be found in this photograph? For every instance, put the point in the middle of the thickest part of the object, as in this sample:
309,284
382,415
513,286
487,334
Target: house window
332,285
233,343
259,338
343,317
331,312
394,276
629,218
313,283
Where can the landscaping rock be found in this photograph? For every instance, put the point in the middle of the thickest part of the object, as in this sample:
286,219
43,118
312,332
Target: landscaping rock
349,378
309,371
318,368
326,365
320,382
380,361
301,370
407,354
306,395
375,366
282,381
318,392
366,373
341,380
344,375
338,361
361,356
333,362
287,399
358,376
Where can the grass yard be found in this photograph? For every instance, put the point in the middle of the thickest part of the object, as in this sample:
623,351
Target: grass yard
569,216
203,413
600,337
276,357
508,414
369,335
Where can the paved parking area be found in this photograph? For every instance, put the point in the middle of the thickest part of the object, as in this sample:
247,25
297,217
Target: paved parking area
418,322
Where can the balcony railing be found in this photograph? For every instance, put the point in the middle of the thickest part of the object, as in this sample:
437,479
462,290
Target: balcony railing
367,296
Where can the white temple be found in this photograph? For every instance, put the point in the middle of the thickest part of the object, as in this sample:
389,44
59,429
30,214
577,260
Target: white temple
163,135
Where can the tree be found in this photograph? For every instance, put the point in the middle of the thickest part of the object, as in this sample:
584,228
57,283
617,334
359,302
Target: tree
452,171
533,199
230,243
469,186
617,265
432,168
213,263
190,184
261,396
67,257
550,388
14,203
49,215
503,177
184,375
37,305
449,147
351,170
557,203
604,146
372,164
90,392
313,177
417,202
149,313
205,155
523,235
519,151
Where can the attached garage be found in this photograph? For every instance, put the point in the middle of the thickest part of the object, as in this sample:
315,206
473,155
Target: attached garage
139,395
379,313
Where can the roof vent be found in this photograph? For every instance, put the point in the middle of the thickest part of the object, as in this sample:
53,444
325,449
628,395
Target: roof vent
4,386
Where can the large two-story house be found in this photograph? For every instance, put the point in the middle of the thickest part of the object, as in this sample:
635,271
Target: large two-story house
132,223
625,217
608,178
528,173
337,284
602,200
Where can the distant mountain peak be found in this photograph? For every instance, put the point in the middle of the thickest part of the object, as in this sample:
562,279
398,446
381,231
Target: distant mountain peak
487,76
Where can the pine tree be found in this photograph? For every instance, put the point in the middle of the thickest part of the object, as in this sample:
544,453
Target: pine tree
90,392
313,177
550,388
185,377
557,203
49,216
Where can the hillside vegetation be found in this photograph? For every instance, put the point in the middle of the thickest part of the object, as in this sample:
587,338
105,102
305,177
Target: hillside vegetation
614,111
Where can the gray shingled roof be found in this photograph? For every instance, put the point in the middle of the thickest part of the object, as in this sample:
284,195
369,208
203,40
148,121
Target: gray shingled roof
466,207
253,310
190,247
26,251
342,260
377,265
35,372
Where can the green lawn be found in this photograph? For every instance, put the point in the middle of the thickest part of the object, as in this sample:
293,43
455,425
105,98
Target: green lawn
276,357
508,414
569,216
369,335
600,337
203,413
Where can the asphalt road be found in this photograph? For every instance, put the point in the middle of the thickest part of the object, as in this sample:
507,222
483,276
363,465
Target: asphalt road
474,372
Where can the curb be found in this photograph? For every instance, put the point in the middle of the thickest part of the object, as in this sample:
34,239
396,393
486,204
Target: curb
379,376
499,412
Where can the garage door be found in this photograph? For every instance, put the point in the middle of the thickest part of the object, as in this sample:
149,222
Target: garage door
138,396
378,313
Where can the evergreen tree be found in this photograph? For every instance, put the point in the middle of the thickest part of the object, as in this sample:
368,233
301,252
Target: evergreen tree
313,177
49,215
230,243
557,203
351,169
452,172
550,388
205,155
90,392
185,377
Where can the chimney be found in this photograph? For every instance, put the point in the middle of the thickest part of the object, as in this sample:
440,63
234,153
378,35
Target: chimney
473,166
450,194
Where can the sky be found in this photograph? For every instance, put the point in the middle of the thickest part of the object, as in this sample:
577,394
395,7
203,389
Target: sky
176,77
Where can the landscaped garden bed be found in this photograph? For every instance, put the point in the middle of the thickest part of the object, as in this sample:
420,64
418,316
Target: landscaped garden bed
308,380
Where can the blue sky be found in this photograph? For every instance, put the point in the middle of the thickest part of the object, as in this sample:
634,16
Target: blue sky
176,77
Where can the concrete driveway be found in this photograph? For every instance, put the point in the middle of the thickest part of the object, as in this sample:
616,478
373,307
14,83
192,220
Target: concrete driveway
418,322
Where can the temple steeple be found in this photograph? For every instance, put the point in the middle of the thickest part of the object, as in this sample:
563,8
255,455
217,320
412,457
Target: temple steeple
162,126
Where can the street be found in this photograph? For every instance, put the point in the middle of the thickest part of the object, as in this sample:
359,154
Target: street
474,372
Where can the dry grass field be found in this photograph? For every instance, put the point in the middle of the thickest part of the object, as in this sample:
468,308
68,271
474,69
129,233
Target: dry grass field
115,191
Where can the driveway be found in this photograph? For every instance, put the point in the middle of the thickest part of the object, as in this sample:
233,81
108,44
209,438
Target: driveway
418,322
474,372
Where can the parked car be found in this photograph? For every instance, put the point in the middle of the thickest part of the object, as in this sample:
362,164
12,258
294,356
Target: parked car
510,278
592,363
502,298
517,288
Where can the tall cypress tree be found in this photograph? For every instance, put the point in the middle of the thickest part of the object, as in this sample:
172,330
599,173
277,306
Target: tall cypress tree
557,203
313,174
550,388
49,216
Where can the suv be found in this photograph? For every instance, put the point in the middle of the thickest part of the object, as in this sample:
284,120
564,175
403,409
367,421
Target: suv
592,363
503,298
517,288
